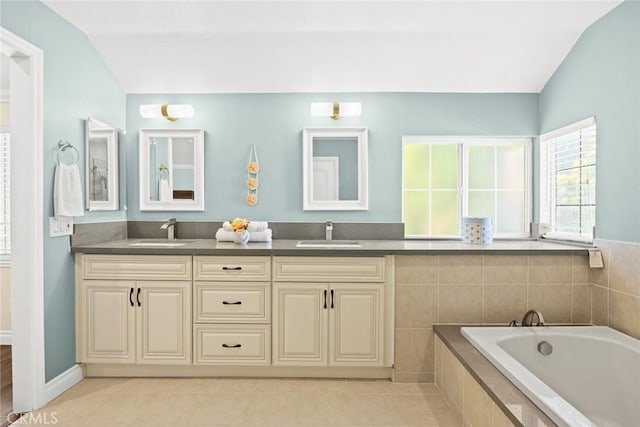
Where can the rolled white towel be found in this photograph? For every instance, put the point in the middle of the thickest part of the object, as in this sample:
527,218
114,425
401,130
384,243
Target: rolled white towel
260,236
254,226
223,235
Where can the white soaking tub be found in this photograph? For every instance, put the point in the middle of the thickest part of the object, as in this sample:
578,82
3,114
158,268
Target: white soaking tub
590,376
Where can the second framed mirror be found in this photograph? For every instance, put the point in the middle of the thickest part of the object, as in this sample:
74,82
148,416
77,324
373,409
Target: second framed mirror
171,169
334,169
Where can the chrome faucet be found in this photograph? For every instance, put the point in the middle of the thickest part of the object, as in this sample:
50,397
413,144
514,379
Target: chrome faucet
527,320
170,226
328,232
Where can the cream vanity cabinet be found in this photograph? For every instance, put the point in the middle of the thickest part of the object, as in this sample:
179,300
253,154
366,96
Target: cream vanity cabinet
232,310
329,311
133,309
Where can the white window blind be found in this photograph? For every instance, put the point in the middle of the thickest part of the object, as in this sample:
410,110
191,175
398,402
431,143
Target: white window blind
568,181
5,238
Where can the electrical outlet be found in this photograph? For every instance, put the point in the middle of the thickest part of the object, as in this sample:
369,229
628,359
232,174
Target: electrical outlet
60,226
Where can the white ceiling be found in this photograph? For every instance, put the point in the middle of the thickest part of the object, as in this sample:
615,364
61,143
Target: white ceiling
206,46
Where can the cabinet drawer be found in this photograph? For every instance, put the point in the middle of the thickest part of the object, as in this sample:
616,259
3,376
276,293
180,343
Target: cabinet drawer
230,268
237,302
328,269
136,267
232,344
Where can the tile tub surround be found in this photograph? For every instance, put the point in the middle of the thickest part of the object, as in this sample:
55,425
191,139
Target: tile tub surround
477,393
615,289
480,289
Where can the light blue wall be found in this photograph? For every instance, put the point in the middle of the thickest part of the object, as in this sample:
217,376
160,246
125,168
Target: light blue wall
601,77
77,85
274,123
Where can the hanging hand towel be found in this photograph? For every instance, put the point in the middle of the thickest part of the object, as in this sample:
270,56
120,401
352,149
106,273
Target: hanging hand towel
67,191
165,190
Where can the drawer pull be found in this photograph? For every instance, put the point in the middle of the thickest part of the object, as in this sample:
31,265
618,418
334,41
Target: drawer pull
325,299
232,303
231,268
138,297
331,298
232,346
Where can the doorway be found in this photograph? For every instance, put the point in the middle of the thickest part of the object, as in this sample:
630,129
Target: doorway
25,63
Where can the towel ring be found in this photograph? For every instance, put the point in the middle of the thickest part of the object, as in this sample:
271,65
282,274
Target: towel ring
62,146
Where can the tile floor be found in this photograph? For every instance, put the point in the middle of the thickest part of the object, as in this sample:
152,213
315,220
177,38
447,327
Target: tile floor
245,402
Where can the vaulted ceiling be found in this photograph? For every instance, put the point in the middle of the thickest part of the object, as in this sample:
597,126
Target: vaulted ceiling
182,46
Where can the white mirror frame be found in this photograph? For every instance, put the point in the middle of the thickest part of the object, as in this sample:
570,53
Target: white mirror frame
146,204
97,129
308,134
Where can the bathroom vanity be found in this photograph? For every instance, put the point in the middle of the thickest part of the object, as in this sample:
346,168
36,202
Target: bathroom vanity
201,314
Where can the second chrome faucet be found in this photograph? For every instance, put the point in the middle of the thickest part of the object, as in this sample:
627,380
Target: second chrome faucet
170,226
328,233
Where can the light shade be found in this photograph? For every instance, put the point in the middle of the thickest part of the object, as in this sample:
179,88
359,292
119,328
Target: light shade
170,112
335,110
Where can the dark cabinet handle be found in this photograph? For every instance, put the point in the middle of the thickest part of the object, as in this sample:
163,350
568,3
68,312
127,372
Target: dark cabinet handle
232,303
331,298
232,268
232,346
131,297
325,299
138,297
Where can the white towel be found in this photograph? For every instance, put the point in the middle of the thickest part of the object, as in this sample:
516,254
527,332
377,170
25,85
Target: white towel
67,191
254,226
223,235
164,191
260,236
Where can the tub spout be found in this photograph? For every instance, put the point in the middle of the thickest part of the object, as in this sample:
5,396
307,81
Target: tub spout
527,320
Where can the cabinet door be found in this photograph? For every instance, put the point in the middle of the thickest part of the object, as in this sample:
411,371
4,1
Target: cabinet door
356,329
300,323
107,322
163,322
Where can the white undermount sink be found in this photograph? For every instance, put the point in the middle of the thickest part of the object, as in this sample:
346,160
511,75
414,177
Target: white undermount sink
328,244
160,244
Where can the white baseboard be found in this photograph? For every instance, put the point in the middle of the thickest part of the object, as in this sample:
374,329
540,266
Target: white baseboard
5,337
63,382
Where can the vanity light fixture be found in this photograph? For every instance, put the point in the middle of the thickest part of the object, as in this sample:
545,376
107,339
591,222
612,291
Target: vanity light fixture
171,112
335,110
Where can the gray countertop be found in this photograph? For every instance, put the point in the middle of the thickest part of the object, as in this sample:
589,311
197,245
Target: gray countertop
369,248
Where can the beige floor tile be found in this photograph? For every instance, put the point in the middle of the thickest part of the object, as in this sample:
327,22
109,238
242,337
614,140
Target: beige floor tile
320,385
367,387
428,389
233,384
426,411
278,385
272,409
192,385
143,385
219,409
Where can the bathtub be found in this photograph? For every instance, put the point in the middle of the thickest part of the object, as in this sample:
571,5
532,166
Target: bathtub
591,376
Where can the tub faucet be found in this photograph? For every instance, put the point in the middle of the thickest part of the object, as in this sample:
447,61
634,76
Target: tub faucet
527,320
170,226
328,232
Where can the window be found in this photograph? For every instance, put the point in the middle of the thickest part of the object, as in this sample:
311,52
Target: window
568,181
5,249
444,179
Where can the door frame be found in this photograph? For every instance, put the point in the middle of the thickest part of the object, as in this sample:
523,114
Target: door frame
27,221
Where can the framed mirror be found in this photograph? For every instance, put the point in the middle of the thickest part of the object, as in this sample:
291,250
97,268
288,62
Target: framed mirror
171,169
101,164
334,169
